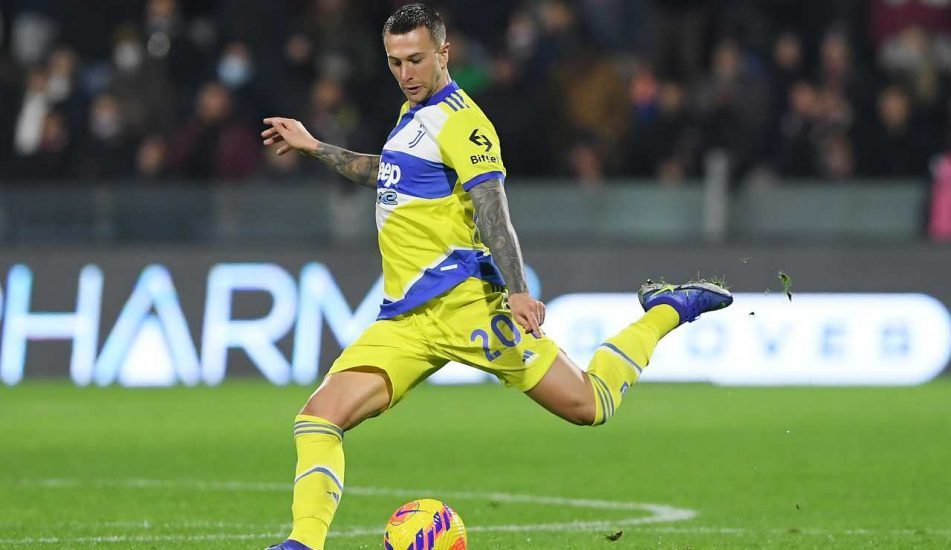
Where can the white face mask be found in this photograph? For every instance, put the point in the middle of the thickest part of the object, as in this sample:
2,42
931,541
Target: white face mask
127,56
234,71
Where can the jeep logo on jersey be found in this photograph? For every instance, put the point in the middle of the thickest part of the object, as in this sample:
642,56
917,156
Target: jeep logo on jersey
389,174
480,140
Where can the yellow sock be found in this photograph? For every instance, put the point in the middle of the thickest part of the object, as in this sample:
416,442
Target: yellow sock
618,362
318,481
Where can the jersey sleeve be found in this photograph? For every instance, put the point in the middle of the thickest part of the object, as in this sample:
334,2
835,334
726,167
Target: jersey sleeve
470,146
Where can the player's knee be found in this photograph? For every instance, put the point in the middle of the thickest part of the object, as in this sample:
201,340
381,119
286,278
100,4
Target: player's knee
583,413
588,416
349,398
337,413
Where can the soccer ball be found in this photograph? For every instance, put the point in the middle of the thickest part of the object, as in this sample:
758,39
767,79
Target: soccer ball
424,524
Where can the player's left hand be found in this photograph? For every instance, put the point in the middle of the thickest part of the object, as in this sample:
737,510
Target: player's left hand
528,312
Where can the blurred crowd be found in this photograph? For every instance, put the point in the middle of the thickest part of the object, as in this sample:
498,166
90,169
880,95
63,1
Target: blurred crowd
121,90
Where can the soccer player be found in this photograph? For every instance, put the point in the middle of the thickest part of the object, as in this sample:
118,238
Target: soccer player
454,284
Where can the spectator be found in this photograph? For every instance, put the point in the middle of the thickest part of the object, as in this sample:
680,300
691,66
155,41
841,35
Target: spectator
109,151
512,97
591,93
213,144
795,152
836,161
587,164
236,71
733,102
838,72
146,98
299,70
894,145
556,76
329,113
662,140
52,158
151,159
787,68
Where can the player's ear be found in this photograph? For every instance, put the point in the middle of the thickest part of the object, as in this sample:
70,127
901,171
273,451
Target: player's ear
443,54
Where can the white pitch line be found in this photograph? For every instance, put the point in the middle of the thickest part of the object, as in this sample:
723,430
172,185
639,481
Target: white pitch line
199,485
658,513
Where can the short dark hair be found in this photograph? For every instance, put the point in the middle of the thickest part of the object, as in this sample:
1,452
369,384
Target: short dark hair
414,16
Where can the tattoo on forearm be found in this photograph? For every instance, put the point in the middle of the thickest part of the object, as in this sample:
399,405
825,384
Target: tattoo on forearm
359,168
496,230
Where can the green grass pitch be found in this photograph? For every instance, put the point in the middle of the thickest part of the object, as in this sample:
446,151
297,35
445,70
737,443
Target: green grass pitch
722,467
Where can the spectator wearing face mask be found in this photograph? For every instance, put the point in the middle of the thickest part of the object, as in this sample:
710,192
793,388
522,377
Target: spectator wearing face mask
139,85
109,151
236,70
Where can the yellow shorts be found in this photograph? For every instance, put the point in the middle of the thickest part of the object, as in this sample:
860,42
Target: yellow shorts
470,324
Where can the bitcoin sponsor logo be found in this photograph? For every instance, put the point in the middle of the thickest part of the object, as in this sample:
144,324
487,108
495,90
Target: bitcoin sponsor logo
476,159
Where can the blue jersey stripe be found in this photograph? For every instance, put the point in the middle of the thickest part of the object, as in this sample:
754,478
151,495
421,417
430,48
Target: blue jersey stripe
459,99
419,177
454,102
436,280
438,97
482,178
441,94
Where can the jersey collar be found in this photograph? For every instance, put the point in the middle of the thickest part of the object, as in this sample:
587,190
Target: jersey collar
441,94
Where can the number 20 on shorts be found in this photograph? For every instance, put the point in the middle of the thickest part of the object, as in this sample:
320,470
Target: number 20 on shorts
496,325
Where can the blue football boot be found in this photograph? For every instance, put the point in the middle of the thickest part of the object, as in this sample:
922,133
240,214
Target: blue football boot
289,545
689,300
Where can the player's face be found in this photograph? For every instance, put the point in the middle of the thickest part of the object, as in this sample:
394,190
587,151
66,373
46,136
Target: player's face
417,63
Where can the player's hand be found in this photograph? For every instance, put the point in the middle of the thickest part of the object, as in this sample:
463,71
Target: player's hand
289,134
528,312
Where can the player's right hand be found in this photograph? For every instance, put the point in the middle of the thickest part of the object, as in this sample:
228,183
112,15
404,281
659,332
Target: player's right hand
290,134
527,312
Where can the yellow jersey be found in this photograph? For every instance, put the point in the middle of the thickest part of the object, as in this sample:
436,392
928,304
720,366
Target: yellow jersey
438,151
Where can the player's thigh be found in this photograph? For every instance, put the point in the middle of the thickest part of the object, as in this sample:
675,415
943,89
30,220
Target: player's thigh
375,372
479,330
566,391
349,397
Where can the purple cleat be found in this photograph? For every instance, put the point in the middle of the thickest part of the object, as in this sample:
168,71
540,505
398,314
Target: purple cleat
289,545
689,300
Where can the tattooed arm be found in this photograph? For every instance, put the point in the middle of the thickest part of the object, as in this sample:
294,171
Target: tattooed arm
357,167
497,232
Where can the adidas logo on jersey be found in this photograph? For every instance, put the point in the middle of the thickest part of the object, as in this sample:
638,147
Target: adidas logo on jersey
389,174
